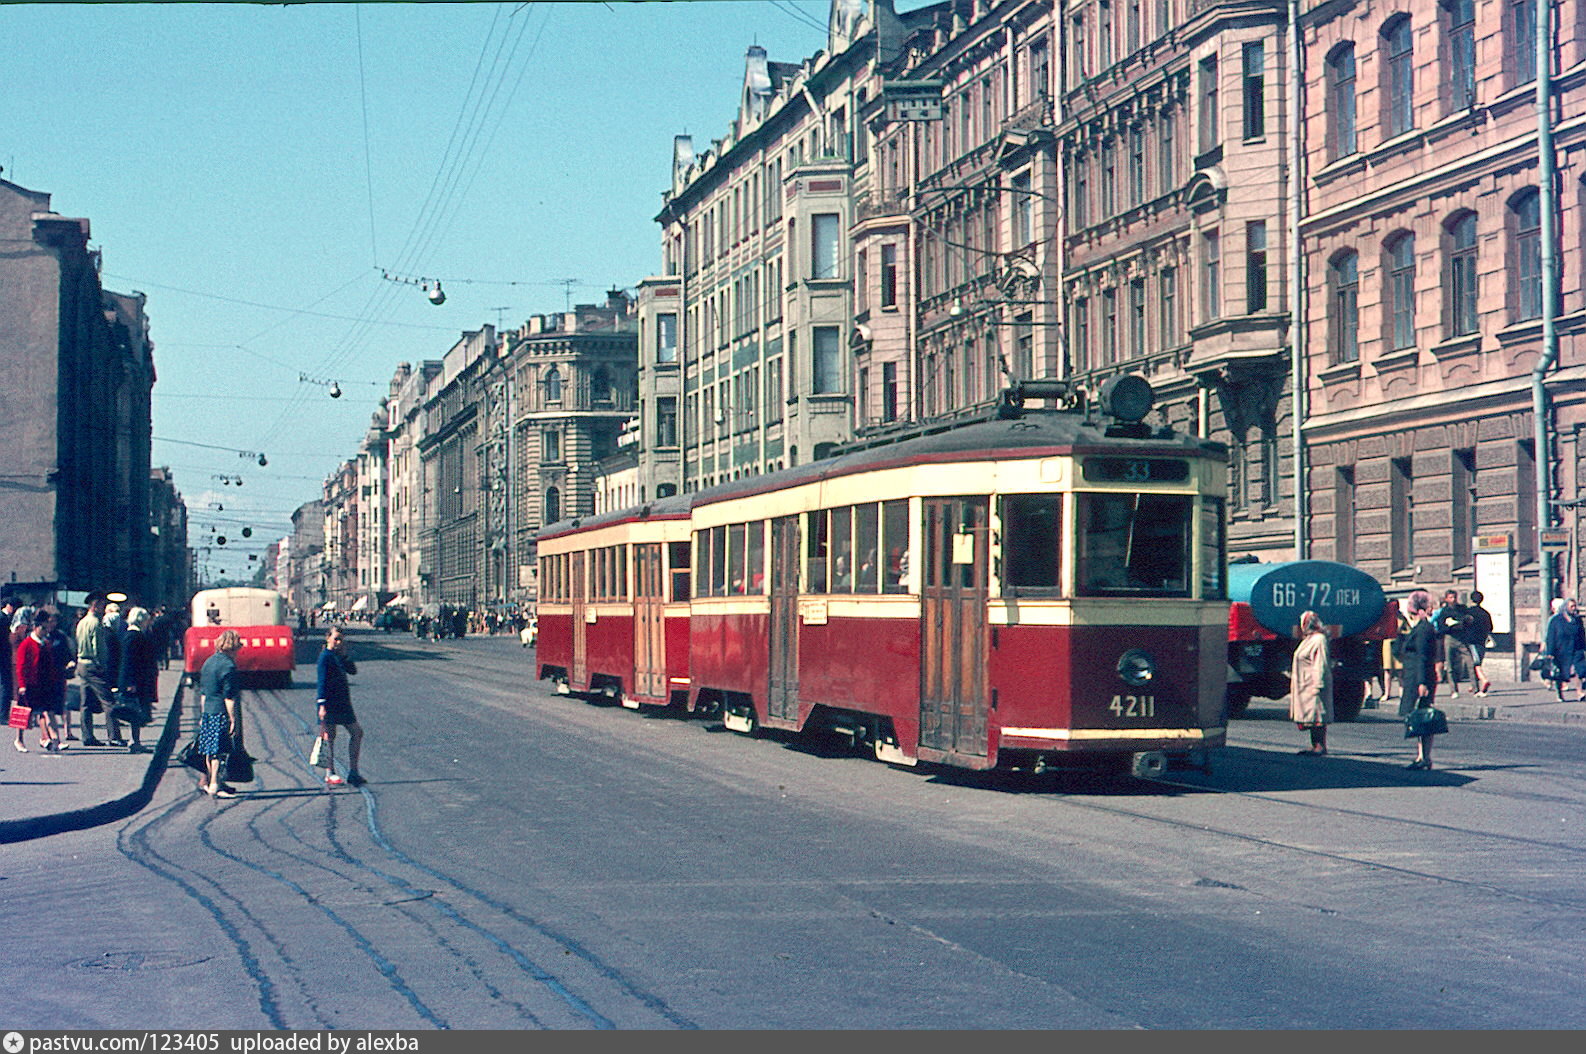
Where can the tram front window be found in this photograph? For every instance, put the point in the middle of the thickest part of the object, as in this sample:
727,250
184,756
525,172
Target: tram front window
1134,545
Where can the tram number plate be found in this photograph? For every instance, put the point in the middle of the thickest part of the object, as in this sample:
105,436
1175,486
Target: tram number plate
1135,470
1133,705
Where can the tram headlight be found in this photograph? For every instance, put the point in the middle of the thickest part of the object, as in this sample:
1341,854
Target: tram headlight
1137,668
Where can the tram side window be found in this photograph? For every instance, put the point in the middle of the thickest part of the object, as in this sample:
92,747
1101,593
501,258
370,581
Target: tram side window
597,559
895,543
702,561
1214,550
867,540
842,550
737,541
1134,544
619,574
1032,542
718,561
677,555
755,572
815,554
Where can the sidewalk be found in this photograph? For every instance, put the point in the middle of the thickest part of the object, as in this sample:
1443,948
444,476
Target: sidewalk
43,794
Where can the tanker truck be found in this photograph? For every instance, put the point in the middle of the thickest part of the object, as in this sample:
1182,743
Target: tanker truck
1263,627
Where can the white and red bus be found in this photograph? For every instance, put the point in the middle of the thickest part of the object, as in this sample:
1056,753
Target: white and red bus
1024,592
269,652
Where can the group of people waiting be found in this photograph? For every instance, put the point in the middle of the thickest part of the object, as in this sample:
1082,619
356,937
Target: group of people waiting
115,658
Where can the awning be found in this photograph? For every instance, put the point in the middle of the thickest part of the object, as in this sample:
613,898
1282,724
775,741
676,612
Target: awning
359,604
400,602
329,605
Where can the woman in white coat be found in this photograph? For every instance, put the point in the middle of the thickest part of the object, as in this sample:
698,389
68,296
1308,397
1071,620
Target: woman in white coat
1311,683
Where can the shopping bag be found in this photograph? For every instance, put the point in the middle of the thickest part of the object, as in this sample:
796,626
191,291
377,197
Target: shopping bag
191,757
319,757
1425,721
21,717
239,767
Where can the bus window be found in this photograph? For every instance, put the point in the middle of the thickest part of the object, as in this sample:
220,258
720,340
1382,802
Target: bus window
895,543
678,557
842,550
1134,544
1032,541
867,531
815,557
756,560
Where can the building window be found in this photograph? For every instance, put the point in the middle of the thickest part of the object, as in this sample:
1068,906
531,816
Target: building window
1080,190
1398,97
889,276
773,390
1167,158
1169,307
666,337
1341,95
666,421
1104,34
1520,42
1459,34
1079,353
551,445
1525,217
553,505
823,245
1255,267
1211,276
1024,348
1209,137
862,282
1109,327
889,391
1040,69
1462,495
1023,208
1136,318
1401,292
827,370
1401,515
1344,514
553,385
1136,166
1343,280
1108,180
1461,275
1254,84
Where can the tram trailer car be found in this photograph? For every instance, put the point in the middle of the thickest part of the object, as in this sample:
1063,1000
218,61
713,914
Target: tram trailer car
614,605
1029,592
269,652
1263,625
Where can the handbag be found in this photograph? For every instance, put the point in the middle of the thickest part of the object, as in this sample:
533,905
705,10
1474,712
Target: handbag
319,757
21,717
1425,721
239,767
190,757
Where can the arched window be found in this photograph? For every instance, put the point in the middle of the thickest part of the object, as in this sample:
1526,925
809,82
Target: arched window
1459,280
1459,54
1398,78
1525,225
1341,101
553,385
1343,307
553,505
1399,291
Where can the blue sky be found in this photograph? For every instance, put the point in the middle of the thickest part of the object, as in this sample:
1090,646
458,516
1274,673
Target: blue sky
253,168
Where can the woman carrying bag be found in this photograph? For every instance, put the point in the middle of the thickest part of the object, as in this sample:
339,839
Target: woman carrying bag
1420,656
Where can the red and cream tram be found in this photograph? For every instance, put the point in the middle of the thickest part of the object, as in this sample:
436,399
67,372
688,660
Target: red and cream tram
1024,592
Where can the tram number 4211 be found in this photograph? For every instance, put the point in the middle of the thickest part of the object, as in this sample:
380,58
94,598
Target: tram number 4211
1133,705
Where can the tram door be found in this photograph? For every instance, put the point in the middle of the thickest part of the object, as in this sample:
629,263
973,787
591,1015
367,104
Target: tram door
953,626
783,699
649,621
579,677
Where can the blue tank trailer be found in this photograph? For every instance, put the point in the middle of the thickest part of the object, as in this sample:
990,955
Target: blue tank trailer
1263,628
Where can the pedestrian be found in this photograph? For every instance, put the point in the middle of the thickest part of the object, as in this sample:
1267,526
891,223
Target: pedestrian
1566,643
1450,622
1311,683
1419,652
220,720
335,708
41,682
140,676
94,669
1476,634
8,609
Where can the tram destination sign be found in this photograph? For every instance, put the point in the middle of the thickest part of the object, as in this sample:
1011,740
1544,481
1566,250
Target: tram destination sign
1136,470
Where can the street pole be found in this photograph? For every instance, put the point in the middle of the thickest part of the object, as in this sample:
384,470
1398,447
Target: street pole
1549,278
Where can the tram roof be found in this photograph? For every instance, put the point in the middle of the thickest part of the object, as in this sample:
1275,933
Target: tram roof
674,507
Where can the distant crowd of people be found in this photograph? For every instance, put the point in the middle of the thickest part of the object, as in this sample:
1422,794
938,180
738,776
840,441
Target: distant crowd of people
114,656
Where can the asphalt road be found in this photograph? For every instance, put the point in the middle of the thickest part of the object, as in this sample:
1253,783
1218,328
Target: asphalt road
523,860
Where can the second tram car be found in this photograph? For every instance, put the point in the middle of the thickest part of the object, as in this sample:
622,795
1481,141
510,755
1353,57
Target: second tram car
1021,593
269,652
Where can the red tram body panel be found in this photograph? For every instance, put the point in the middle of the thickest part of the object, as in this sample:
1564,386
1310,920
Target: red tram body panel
1008,593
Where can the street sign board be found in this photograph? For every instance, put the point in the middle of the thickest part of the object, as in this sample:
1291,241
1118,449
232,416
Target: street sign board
1553,541
1493,543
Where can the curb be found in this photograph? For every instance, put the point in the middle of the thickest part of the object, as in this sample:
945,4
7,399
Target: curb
110,811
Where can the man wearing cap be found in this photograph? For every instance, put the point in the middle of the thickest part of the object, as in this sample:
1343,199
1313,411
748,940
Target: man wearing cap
8,608
93,666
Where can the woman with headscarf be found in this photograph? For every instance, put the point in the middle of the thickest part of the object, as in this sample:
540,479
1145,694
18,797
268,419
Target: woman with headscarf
1311,683
1420,655
1566,643
140,675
